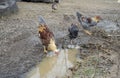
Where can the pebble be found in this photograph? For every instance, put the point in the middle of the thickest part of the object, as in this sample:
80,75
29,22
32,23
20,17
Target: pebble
71,46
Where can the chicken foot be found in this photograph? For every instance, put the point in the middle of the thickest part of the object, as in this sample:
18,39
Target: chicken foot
45,49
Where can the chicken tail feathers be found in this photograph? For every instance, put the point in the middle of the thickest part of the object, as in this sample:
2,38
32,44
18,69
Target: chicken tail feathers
79,16
42,20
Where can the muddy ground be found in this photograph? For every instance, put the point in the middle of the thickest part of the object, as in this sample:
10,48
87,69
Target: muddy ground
21,49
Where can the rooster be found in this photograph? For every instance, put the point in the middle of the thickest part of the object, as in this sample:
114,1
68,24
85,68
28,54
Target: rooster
47,37
73,32
88,22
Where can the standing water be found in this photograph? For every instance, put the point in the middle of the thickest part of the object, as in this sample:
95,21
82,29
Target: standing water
53,67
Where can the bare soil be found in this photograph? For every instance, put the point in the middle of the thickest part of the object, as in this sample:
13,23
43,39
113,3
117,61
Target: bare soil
21,49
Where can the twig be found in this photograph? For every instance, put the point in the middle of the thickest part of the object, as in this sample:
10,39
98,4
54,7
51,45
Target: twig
114,35
87,32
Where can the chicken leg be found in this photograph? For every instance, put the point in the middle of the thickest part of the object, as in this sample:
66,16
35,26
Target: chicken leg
87,32
45,49
71,41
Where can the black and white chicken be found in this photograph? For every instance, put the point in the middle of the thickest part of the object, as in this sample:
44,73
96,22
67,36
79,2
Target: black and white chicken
73,32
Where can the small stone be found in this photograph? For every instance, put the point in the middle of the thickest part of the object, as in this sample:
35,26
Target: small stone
71,46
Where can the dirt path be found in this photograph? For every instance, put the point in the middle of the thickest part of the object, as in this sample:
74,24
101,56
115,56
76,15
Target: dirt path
20,47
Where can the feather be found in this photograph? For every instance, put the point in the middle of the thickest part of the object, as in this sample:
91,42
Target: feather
51,45
42,20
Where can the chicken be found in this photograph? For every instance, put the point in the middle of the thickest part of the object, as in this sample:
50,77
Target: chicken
47,37
87,22
54,6
73,32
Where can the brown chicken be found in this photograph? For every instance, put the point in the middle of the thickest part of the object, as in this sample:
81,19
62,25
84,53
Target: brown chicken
47,37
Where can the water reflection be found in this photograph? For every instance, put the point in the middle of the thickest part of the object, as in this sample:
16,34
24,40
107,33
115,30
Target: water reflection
56,66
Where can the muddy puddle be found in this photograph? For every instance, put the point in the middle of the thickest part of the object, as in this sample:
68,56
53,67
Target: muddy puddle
55,66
